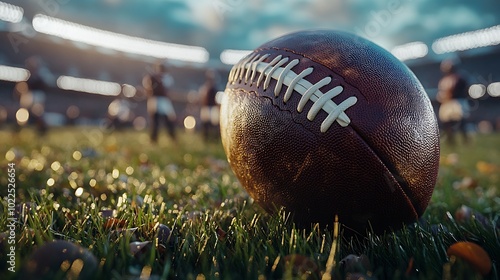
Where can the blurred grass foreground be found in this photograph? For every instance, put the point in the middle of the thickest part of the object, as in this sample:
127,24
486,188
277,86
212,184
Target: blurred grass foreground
121,208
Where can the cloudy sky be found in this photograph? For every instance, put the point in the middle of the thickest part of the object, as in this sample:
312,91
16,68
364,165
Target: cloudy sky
246,24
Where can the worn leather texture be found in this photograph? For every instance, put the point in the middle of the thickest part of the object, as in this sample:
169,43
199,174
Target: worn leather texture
379,171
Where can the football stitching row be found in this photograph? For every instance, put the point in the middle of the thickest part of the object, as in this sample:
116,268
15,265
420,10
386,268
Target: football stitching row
247,69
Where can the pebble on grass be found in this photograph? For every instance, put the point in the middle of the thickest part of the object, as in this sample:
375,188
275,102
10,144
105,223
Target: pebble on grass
60,258
473,254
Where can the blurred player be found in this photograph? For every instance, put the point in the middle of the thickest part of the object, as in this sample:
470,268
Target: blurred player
159,106
119,111
452,94
209,113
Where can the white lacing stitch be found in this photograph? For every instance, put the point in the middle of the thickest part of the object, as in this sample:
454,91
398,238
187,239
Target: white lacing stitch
247,69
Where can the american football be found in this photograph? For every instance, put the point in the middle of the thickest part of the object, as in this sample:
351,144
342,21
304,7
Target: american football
232,139
326,123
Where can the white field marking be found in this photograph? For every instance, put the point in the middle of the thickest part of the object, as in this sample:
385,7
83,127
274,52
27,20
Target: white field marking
280,69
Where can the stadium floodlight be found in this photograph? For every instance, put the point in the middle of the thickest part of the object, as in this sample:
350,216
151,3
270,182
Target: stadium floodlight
231,57
116,41
494,89
88,85
13,74
477,91
411,50
468,40
10,13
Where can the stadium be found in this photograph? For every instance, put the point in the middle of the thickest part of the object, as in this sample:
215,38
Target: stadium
148,188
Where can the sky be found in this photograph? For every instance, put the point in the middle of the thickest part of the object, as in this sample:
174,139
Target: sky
246,24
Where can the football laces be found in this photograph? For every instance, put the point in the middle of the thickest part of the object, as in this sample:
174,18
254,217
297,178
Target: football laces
253,71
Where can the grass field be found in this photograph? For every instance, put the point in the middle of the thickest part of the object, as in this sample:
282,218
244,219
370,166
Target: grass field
105,191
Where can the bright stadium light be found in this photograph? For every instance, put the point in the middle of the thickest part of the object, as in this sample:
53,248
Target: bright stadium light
468,40
494,89
88,85
411,50
22,116
120,42
13,74
10,13
477,91
129,91
189,122
231,57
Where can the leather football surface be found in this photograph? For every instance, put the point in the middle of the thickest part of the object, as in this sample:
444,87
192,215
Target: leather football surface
326,123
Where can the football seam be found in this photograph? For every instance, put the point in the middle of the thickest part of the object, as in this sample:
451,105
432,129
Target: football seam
392,171
291,112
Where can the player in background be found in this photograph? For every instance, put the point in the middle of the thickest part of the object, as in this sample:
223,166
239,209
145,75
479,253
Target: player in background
452,95
119,111
209,111
159,105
